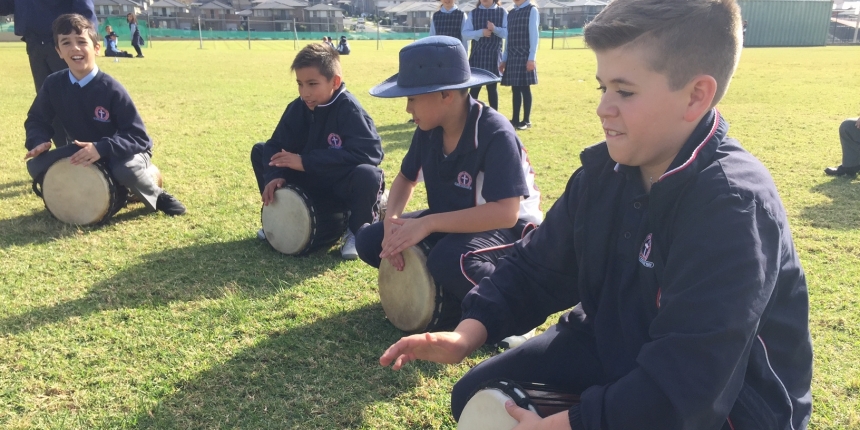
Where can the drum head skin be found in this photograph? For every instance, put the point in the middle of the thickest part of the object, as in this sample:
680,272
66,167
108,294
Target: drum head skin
408,297
287,222
75,194
486,411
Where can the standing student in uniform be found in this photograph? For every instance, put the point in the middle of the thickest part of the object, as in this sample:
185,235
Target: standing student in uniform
518,61
134,29
489,28
479,182
450,21
671,245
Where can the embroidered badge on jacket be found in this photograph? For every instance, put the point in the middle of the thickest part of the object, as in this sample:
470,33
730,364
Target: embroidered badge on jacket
645,252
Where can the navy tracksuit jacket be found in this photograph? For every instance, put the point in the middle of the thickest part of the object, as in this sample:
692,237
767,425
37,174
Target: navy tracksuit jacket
709,327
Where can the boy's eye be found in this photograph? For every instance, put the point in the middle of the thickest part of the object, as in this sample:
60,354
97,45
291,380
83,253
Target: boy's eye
624,93
602,89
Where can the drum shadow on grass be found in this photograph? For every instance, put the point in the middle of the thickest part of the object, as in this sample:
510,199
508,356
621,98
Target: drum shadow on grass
321,376
192,273
41,227
843,209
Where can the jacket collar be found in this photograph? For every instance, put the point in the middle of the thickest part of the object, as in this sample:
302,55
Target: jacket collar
337,93
696,153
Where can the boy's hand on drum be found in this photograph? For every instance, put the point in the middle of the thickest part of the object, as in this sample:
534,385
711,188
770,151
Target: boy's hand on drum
442,347
530,65
86,156
529,420
287,159
405,232
271,187
40,148
397,261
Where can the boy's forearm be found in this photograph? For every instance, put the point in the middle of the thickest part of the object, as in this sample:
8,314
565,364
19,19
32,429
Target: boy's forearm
398,196
488,216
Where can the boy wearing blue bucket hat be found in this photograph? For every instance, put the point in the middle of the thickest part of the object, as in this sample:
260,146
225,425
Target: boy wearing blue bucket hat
480,185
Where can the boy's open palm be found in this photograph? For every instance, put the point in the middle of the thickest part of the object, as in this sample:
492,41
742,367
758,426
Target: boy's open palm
443,347
87,155
40,148
405,232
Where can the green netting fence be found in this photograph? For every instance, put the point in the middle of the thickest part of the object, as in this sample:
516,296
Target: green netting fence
120,27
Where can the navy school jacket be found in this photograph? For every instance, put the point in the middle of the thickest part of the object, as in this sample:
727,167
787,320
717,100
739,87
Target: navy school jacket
101,112
712,333
332,139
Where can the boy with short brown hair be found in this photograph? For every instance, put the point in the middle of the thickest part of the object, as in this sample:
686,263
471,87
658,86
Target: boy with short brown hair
98,115
691,307
325,143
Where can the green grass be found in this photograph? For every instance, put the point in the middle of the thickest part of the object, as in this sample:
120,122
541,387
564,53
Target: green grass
159,322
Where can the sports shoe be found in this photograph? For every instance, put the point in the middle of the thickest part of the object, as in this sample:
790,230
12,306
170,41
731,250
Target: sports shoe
138,56
347,250
842,171
515,124
512,342
525,125
169,205
383,205
261,235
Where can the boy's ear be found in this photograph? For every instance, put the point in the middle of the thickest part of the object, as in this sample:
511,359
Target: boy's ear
337,81
701,90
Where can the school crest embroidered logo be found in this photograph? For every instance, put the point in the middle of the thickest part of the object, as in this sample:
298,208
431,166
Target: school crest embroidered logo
464,180
102,114
645,252
334,141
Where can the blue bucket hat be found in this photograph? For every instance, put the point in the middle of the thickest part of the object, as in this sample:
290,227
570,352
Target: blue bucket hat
435,63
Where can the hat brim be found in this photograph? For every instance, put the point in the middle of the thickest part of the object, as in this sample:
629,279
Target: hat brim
390,89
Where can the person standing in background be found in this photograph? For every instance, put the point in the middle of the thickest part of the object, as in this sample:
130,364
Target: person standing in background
136,40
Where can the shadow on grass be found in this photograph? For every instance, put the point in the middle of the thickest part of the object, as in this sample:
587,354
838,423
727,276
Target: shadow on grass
41,227
397,136
319,375
14,189
183,274
842,212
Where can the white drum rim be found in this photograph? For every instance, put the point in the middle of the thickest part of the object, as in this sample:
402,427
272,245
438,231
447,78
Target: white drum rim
408,297
88,184
282,210
486,411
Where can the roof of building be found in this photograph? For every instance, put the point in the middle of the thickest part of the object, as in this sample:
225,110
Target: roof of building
216,5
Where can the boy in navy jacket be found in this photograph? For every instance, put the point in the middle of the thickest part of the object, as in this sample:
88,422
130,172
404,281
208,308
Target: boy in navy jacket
480,184
98,115
691,307
325,143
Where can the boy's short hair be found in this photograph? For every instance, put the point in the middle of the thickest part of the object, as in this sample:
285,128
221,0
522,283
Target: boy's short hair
684,38
321,56
73,23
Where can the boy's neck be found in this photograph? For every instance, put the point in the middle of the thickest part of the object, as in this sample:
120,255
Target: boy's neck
453,125
83,74
651,174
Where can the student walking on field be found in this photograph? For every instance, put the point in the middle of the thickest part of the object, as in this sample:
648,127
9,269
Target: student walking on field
489,23
518,62
136,40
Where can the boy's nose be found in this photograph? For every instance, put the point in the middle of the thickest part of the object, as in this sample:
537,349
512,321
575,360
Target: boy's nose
605,109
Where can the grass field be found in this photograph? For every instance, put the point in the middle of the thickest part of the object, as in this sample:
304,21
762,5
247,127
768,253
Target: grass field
190,322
